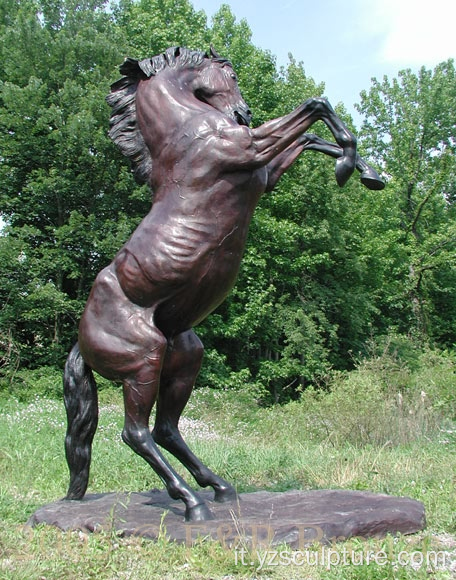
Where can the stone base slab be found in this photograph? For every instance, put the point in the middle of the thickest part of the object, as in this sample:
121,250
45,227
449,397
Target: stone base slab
258,519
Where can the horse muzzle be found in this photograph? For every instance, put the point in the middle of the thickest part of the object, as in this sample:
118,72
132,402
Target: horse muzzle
242,115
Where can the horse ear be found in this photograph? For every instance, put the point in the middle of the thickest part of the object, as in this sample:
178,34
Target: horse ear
135,69
214,54
130,67
147,67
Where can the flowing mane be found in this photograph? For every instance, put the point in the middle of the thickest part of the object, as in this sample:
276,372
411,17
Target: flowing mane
123,127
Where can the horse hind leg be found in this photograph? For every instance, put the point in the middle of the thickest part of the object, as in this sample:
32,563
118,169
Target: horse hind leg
140,394
81,404
180,369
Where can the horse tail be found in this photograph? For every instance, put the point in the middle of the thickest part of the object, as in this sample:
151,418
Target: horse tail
81,404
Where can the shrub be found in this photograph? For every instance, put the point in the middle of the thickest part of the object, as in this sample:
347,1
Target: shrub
397,395
45,382
436,377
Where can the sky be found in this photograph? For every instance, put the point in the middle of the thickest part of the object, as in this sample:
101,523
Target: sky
345,43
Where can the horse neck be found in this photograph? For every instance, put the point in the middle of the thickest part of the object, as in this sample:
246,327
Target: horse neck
163,104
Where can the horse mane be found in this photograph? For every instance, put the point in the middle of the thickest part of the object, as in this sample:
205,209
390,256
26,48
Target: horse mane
124,130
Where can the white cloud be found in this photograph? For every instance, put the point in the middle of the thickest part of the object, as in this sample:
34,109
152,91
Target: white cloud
412,32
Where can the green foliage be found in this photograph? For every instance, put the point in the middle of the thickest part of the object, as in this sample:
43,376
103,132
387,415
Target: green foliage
436,377
26,385
149,27
325,268
409,129
400,393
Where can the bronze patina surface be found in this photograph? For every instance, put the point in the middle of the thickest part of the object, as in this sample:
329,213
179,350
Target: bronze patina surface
180,118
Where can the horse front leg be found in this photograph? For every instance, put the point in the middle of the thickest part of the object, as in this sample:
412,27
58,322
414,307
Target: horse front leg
273,137
309,142
180,369
369,177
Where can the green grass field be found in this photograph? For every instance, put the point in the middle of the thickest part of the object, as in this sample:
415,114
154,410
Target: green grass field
352,437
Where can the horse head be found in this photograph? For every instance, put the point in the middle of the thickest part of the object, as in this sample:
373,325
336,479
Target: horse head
206,78
215,83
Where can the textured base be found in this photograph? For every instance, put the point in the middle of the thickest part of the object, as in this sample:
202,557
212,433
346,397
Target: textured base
297,518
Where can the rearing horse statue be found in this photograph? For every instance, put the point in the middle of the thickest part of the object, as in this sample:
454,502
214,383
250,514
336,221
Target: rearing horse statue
180,118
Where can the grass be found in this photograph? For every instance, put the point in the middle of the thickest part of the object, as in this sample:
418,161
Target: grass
348,438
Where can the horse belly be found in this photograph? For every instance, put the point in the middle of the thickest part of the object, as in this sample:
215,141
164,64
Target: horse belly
203,292
178,257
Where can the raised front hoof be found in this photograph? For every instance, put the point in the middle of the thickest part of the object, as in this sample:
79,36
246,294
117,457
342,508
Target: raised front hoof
344,169
225,494
371,179
198,513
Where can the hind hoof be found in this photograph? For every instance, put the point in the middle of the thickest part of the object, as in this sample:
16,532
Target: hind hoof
225,494
198,513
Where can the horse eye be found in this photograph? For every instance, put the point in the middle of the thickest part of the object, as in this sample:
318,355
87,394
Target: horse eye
233,76
202,95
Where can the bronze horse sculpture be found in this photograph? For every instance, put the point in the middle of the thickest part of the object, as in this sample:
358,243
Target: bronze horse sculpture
180,118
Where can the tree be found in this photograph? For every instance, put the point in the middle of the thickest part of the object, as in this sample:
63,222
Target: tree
410,129
324,268
62,181
288,319
149,27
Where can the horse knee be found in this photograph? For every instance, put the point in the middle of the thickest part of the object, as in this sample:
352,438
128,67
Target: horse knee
347,139
197,352
319,105
188,342
322,102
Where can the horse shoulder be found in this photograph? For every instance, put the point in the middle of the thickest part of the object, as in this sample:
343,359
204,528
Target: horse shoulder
223,140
